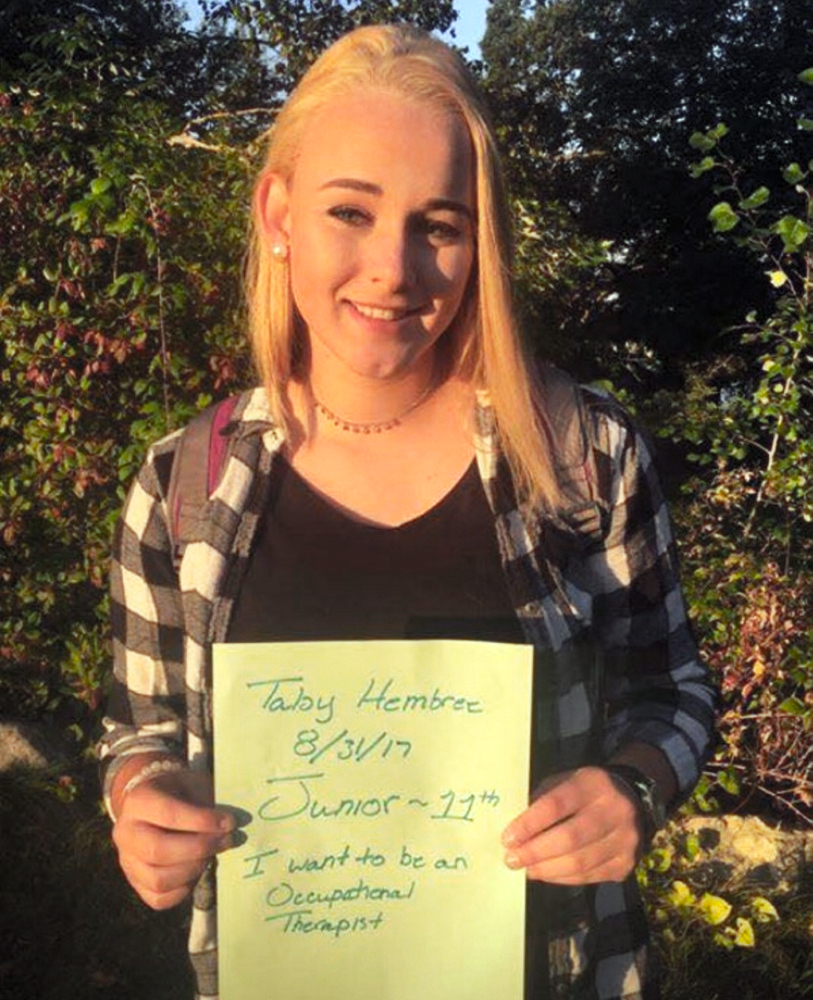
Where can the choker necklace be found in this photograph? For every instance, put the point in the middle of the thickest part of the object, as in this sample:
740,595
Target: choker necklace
373,428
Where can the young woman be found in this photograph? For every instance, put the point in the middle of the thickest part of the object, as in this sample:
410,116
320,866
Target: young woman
398,474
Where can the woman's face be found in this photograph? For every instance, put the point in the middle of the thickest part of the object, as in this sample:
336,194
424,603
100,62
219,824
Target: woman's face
380,221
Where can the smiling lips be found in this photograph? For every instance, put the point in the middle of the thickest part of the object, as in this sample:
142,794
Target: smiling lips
378,312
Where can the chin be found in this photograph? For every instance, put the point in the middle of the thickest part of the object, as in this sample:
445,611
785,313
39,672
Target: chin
383,370
383,364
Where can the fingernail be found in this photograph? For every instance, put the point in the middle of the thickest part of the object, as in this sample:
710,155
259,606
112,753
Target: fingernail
224,843
226,823
241,817
509,839
512,860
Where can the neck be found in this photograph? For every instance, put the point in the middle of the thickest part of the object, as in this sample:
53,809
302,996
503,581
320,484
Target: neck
360,400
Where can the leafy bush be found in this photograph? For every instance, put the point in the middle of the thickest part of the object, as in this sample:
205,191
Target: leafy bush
120,302
119,312
713,936
748,422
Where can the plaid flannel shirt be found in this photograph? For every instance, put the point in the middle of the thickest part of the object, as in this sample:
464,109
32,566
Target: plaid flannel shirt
620,593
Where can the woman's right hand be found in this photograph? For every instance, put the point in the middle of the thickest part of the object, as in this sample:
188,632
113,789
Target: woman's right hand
167,829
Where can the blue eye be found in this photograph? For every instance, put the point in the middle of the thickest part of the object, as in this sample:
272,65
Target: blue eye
441,232
349,214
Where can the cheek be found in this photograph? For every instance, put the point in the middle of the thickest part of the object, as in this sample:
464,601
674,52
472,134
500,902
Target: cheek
319,260
313,273
456,269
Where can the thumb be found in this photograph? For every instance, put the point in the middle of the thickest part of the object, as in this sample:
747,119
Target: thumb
181,801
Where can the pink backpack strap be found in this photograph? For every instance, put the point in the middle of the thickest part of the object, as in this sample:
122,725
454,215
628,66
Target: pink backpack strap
218,442
196,470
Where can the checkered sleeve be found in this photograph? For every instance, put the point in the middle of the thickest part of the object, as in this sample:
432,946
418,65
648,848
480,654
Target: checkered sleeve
656,689
146,704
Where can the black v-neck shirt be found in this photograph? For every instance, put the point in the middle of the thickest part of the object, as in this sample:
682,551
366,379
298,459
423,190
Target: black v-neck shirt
317,573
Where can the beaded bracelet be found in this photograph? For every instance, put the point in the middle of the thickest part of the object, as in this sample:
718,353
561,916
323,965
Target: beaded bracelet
151,770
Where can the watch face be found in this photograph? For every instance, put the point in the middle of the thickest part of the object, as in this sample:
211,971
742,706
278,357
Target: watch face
645,790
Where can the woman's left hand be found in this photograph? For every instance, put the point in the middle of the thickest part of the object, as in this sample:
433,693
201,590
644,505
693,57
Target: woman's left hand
580,828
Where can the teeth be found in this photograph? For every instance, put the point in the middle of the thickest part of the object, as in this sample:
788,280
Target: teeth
373,312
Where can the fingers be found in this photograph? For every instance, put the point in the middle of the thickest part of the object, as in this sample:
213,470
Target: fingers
165,837
157,806
163,866
608,859
556,800
162,886
581,829
160,847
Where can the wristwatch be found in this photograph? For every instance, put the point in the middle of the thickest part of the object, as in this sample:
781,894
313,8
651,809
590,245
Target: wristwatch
644,791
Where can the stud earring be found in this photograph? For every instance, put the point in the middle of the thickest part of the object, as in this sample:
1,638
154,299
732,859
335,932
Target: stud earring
279,251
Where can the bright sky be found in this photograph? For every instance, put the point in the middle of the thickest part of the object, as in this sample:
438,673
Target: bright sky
470,25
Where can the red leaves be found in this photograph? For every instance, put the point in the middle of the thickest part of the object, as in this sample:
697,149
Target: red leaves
225,370
37,377
109,350
158,220
760,666
73,289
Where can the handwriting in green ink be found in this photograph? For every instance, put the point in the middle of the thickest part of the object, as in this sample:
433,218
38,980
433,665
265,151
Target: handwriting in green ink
285,894
288,694
294,797
311,745
294,923
383,701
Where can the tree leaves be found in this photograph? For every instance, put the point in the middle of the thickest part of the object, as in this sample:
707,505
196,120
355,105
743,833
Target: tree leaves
723,217
794,174
715,909
596,121
680,895
120,304
756,199
793,231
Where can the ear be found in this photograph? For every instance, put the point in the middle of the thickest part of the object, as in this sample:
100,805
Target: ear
271,206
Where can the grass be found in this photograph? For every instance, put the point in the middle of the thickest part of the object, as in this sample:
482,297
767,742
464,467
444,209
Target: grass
698,947
70,927
779,967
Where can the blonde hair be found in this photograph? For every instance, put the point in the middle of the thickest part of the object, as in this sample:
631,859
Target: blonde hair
486,343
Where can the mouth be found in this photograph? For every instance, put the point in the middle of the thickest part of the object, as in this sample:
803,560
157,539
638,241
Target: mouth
380,312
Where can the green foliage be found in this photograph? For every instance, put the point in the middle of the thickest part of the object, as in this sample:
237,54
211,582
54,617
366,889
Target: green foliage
715,935
119,312
561,278
123,224
596,99
723,217
747,421
291,33
142,41
728,923
768,404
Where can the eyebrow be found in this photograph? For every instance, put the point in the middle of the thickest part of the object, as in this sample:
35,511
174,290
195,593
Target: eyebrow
434,204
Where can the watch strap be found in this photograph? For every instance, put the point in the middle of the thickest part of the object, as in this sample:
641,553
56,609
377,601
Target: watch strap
644,791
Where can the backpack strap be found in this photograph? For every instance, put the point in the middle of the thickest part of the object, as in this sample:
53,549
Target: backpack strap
196,469
573,446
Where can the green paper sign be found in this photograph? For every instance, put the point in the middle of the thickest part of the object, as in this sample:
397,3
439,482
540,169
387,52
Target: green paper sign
378,776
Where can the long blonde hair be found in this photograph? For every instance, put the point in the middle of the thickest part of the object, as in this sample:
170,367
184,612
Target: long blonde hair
487,345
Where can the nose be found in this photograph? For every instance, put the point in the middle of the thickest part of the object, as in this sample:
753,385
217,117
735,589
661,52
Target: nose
392,259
